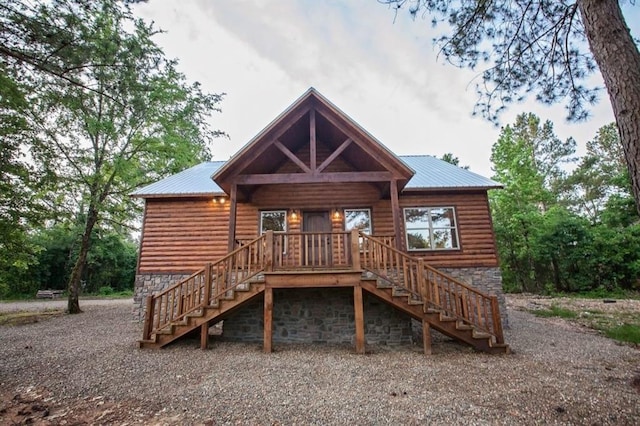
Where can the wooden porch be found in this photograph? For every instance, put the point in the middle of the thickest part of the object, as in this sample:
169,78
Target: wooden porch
326,259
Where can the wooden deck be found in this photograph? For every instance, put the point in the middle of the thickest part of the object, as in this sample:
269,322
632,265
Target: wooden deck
316,260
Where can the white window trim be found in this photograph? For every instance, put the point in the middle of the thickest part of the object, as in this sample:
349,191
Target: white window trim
430,229
368,210
273,211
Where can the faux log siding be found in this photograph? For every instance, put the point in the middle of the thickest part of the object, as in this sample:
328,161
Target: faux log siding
475,230
182,235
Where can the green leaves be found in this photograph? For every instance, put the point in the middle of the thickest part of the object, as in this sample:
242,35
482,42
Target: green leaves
560,231
100,109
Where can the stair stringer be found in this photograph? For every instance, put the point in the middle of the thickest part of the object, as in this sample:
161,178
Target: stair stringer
446,325
209,314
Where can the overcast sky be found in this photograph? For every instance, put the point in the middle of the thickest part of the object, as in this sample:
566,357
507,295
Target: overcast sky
384,75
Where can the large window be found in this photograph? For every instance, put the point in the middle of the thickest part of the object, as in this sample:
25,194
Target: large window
431,228
273,220
358,219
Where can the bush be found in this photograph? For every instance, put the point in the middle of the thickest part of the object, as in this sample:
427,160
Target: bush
106,291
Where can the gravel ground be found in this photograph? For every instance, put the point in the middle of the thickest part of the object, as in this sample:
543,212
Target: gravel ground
86,369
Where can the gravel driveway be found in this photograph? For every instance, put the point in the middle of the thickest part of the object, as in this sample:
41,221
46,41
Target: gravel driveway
86,369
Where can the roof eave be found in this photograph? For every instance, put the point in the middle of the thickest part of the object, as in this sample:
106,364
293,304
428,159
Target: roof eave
179,195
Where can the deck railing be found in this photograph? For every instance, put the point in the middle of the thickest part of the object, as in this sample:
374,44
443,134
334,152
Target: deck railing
323,250
206,286
426,284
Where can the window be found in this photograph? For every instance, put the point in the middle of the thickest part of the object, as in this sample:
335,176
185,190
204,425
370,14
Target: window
273,220
358,219
431,228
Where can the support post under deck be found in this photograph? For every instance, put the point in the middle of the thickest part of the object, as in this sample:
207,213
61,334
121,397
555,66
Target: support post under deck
268,319
426,337
359,319
204,336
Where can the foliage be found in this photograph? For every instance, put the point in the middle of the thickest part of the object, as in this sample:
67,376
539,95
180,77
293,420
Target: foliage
555,311
624,333
525,46
550,48
111,262
547,241
452,159
114,112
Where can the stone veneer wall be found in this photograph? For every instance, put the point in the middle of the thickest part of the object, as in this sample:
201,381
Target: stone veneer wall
487,280
147,284
324,315
319,316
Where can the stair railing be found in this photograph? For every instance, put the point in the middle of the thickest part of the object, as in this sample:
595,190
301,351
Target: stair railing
426,284
206,286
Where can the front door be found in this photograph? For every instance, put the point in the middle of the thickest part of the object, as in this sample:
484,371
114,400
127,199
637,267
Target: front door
317,238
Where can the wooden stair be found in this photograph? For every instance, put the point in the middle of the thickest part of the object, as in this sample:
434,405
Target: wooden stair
436,318
209,314
438,300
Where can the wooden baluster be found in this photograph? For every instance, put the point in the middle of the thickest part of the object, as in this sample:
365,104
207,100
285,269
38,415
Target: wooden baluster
497,321
207,285
424,288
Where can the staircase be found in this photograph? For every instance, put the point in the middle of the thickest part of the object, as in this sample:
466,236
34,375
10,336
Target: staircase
422,292
206,297
428,295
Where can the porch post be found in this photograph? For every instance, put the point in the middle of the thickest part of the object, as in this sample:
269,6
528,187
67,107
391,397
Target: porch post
204,335
395,210
426,337
268,319
359,319
233,197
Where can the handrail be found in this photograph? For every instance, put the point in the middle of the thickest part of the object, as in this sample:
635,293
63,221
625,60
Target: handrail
206,286
427,284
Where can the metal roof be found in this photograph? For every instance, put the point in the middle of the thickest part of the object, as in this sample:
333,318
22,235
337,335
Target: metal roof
431,173
193,181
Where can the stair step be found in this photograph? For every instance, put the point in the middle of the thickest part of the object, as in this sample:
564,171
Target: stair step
461,326
415,302
444,318
481,335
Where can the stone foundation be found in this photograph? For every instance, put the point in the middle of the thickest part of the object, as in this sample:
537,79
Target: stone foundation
147,284
487,280
319,316
323,315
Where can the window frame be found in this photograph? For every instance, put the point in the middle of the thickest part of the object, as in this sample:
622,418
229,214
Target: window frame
455,235
367,209
284,212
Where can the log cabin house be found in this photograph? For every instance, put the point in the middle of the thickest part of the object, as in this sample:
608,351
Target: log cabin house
315,232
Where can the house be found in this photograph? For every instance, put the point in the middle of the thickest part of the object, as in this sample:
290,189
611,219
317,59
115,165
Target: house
315,232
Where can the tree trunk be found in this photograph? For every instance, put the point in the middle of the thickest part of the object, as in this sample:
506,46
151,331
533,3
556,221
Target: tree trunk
618,58
73,306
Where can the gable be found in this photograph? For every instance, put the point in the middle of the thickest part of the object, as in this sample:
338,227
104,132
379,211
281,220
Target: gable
306,143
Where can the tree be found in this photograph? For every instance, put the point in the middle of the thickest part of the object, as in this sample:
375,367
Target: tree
452,159
600,174
122,118
527,159
547,47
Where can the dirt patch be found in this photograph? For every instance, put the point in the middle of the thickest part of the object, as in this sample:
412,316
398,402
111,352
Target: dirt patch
531,302
37,407
22,318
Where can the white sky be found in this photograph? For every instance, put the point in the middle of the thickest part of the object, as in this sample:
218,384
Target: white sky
384,75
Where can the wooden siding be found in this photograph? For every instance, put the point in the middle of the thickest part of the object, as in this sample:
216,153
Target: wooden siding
181,235
475,229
